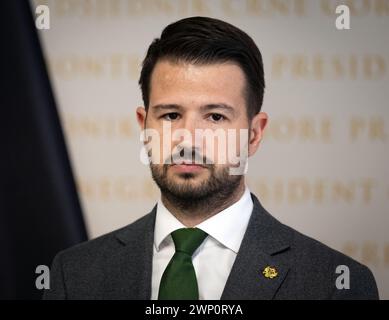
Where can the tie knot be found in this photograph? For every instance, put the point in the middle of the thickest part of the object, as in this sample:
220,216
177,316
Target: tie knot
187,240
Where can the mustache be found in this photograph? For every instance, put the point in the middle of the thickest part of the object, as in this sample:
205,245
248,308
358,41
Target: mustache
188,156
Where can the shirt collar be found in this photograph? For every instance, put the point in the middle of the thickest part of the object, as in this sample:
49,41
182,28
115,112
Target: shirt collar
227,227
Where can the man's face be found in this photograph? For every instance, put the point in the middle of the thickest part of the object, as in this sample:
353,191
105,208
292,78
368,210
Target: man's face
197,99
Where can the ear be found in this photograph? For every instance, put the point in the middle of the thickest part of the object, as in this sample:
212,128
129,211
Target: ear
141,117
258,124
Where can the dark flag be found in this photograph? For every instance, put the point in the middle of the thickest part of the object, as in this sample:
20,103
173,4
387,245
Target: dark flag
40,213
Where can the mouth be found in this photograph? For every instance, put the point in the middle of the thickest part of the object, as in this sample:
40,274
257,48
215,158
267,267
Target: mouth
187,167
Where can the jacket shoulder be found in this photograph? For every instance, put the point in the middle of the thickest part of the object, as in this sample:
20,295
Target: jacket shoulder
83,271
107,242
317,263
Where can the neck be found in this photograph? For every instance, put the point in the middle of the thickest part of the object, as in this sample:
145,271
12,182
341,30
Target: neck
196,212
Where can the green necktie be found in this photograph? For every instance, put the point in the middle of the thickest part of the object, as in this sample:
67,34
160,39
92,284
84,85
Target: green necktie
179,278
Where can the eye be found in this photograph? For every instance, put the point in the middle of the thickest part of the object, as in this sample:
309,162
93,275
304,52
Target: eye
170,116
216,117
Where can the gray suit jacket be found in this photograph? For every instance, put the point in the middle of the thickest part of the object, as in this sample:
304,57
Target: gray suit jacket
118,265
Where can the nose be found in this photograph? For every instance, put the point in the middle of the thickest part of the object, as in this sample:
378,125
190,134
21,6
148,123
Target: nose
193,156
189,124
185,137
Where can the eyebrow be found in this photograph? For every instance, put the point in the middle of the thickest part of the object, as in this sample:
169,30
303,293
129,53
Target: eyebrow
162,107
208,107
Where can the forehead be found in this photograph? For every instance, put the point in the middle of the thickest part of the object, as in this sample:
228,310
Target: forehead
184,81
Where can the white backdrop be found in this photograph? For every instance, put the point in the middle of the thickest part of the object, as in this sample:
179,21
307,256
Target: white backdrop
323,164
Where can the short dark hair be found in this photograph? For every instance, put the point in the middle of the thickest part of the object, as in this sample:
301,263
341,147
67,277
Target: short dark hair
203,40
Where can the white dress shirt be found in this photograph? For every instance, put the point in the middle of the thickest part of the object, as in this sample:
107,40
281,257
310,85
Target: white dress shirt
214,258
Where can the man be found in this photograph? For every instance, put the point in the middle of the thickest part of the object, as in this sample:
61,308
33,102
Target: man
208,237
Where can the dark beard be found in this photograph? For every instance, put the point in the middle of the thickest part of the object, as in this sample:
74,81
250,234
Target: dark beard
210,194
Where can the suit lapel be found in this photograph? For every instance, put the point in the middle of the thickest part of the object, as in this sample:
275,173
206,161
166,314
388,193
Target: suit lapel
263,245
130,268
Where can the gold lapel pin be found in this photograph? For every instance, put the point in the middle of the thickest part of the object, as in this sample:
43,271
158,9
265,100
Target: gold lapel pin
270,272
